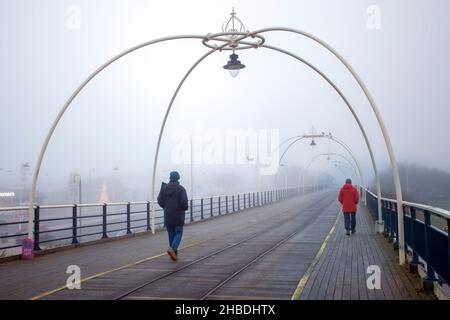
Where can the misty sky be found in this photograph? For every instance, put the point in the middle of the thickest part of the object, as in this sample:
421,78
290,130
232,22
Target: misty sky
114,122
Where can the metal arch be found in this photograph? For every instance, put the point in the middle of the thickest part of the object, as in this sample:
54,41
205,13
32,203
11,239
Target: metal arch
356,171
337,167
68,103
344,164
351,110
387,139
353,171
341,165
334,139
166,115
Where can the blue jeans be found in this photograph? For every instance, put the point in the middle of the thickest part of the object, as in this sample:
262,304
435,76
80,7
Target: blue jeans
350,221
175,233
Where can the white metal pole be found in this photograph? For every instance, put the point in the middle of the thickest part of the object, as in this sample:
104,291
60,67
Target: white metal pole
192,164
366,139
387,139
66,106
166,115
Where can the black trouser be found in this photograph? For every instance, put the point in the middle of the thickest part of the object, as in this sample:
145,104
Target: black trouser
350,220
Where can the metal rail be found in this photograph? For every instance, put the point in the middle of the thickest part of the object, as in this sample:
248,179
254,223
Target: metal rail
62,225
426,236
215,253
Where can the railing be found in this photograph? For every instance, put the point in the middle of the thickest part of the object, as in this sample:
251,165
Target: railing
69,224
427,237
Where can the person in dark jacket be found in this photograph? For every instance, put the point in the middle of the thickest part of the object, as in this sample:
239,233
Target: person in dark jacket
349,198
173,199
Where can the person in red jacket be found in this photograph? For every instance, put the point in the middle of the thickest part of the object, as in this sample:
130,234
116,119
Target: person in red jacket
349,198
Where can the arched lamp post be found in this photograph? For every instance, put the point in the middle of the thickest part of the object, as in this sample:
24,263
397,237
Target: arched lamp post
232,40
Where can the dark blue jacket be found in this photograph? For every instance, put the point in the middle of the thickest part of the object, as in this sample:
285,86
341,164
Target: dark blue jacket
173,199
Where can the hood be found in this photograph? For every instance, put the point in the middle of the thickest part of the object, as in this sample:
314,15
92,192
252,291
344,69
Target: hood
347,186
170,188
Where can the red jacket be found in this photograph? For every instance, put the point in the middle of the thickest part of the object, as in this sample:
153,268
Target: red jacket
348,197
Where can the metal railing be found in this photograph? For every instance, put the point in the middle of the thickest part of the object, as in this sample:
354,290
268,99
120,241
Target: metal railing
69,224
427,237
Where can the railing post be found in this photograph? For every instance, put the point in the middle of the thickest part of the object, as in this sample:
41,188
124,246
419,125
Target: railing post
245,205
395,211
226,204
448,241
391,221
385,218
415,259
249,203
239,203
428,285
191,210
201,208
253,199
148,215
211,206
74,224
128,218
233,201
105,235
36,228
220,209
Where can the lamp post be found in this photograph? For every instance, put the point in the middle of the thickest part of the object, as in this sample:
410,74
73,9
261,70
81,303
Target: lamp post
76,179
24,173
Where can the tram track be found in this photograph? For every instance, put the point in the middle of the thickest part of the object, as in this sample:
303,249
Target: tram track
323,204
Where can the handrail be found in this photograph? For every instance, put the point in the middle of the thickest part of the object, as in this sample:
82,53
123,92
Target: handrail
69,224
434,210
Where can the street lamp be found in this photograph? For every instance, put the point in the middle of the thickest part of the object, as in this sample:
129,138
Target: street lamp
231,26
234,65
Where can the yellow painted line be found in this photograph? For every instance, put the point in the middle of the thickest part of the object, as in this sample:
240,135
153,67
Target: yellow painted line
45,294
302,283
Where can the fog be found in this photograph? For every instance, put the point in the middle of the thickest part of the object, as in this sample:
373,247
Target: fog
109,133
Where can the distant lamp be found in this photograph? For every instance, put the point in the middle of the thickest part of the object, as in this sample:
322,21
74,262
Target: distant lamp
313,143
234,65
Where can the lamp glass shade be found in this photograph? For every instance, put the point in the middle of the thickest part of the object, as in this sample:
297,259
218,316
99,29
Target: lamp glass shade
234,72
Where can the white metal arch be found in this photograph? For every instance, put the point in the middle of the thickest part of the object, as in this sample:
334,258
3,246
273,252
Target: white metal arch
240,37
355,169
384,131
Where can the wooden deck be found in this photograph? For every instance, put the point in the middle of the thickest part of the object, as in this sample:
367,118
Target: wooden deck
341,271
330,264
